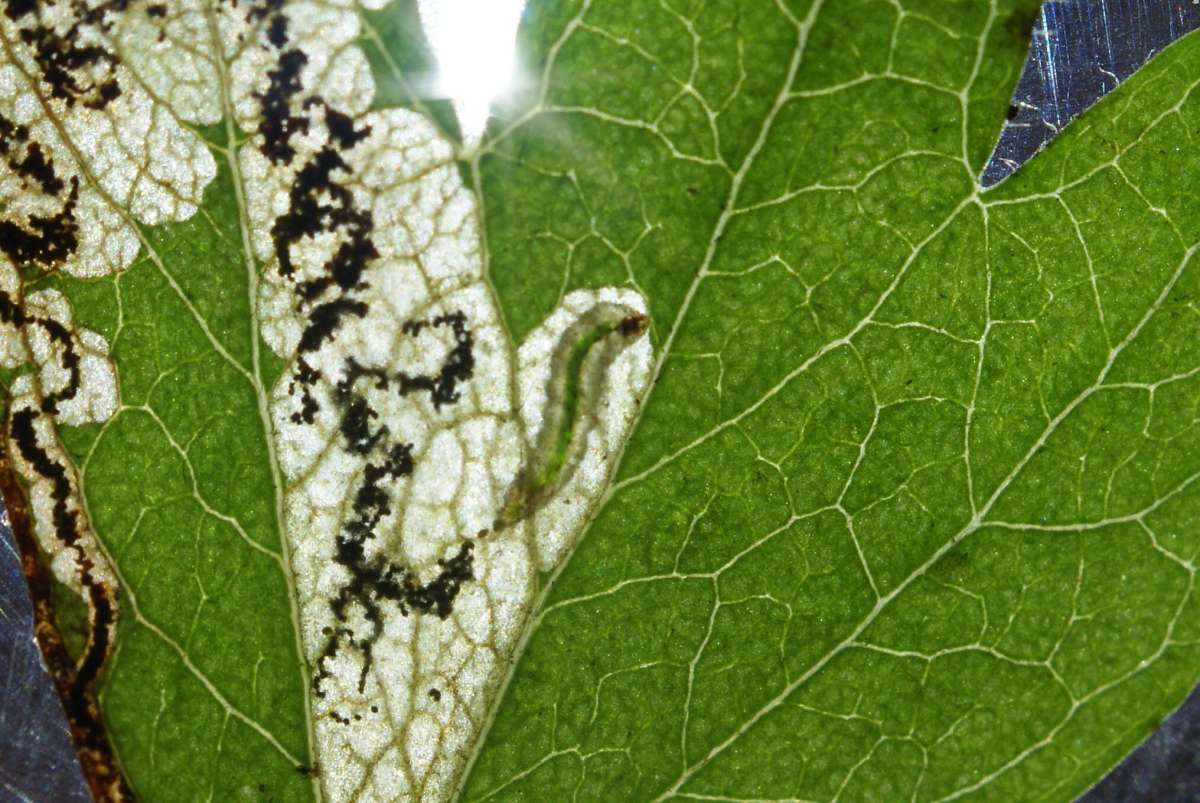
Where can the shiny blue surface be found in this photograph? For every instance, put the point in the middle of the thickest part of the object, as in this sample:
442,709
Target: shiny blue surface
1080,50
37,760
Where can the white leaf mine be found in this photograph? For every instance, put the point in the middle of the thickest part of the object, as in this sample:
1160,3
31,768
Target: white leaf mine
52,343
608,416
125,156
402,430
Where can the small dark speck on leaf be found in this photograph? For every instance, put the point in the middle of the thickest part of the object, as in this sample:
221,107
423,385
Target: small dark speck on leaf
435,695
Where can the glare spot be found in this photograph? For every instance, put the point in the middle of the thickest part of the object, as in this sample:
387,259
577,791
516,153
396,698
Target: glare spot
474,42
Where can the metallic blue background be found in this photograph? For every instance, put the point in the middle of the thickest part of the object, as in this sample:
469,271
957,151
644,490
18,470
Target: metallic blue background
37,760
1080,51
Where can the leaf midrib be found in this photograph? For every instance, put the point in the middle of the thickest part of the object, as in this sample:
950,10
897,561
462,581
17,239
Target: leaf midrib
230,154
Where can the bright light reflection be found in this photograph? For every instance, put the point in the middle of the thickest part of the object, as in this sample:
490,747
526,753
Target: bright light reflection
474,42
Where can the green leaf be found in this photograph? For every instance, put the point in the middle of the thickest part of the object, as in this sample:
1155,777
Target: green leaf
910,509
206,684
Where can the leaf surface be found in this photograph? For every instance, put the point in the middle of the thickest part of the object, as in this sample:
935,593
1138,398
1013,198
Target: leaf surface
910,509
910,512
206,684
